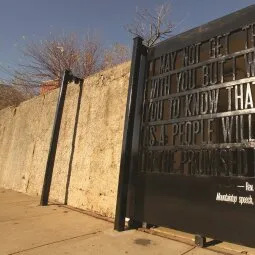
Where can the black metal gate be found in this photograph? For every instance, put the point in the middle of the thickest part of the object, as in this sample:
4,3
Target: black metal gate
188,147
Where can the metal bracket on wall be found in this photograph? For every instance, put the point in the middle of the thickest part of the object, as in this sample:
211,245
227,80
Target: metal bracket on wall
200,240
67,78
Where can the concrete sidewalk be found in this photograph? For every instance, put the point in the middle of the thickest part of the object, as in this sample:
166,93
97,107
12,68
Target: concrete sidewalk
27,229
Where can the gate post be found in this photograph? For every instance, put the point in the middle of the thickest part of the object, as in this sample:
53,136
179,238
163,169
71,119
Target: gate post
126,152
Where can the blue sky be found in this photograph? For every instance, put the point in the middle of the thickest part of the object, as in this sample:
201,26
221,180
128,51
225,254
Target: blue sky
22,21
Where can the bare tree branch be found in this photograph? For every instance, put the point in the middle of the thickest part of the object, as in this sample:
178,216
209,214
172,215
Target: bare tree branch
115,55
10,96
152,26
49,59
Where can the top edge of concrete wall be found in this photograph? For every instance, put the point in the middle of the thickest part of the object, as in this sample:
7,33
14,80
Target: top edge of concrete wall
105,72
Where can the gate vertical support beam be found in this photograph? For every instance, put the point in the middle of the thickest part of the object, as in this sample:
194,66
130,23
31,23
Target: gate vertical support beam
54,139
126,152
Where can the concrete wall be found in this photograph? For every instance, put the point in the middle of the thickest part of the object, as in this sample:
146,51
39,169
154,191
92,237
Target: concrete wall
87,162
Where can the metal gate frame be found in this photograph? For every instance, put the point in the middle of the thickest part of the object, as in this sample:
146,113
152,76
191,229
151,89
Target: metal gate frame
134,114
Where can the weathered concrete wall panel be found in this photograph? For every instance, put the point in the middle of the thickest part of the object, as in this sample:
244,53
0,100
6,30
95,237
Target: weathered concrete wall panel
87,161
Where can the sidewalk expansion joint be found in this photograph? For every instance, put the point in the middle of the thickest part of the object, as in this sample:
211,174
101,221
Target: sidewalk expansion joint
188,250
28,217
17,202
59,241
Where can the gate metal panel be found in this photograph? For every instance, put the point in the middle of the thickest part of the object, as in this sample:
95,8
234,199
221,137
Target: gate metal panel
192,161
